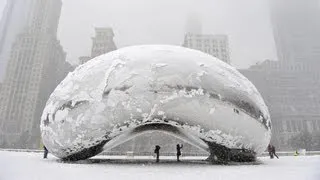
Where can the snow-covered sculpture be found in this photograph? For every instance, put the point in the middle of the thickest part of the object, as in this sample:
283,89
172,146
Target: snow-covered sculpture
180,91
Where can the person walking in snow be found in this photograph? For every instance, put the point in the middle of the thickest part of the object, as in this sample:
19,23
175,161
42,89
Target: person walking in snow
273,150
45,153
179,151
270,151
157,151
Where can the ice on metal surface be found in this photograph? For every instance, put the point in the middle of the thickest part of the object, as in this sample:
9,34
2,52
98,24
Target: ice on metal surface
204,98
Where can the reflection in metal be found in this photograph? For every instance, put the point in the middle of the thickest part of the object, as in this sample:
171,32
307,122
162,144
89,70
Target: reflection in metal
180,91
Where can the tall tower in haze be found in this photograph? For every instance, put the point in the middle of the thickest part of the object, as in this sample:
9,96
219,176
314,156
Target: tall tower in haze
102,43
291,85
296,29
215,45
14,20
36,64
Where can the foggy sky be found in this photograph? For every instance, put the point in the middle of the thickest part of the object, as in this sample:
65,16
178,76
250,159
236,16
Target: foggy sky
246,22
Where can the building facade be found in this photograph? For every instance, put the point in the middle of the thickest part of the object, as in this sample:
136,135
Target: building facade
36,65
296,28
291,85
215,45
14,20
102,43
292,94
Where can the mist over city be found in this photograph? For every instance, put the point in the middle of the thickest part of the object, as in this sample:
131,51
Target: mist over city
161,81
144,22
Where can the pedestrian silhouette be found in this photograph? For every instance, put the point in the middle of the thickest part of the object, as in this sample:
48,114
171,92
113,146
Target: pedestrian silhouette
179,151
274,151
270,151
157,151
45,153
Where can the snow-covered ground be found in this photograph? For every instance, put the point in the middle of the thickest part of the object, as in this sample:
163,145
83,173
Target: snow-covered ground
31,166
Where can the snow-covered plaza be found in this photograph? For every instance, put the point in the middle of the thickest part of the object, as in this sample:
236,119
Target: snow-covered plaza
31,166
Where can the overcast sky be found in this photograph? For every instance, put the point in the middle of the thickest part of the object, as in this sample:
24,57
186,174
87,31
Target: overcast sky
246,22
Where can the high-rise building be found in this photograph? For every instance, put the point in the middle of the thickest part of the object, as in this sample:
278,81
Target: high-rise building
296,29
102,43
291,85
215,45
14,20
36,65
292,94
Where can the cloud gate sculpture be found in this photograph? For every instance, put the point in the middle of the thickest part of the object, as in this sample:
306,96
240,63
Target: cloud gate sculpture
186,93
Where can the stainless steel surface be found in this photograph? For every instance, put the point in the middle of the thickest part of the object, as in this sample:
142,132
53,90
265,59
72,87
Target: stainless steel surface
195,96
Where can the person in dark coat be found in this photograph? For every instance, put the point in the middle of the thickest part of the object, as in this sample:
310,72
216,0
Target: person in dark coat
273,150
179,151
270,151
157,151
45,153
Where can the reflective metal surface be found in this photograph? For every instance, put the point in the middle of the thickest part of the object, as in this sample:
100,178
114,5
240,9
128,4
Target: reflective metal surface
187,93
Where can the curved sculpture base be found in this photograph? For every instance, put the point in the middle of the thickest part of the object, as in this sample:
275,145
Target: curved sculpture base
221,154
86,153
218,153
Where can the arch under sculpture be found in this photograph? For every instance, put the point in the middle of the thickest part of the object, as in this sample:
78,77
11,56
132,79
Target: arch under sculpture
180,91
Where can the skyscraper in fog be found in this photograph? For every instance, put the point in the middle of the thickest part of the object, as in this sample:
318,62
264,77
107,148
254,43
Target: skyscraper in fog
102,43
36,64
14,20
296,29
291,85
215,45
